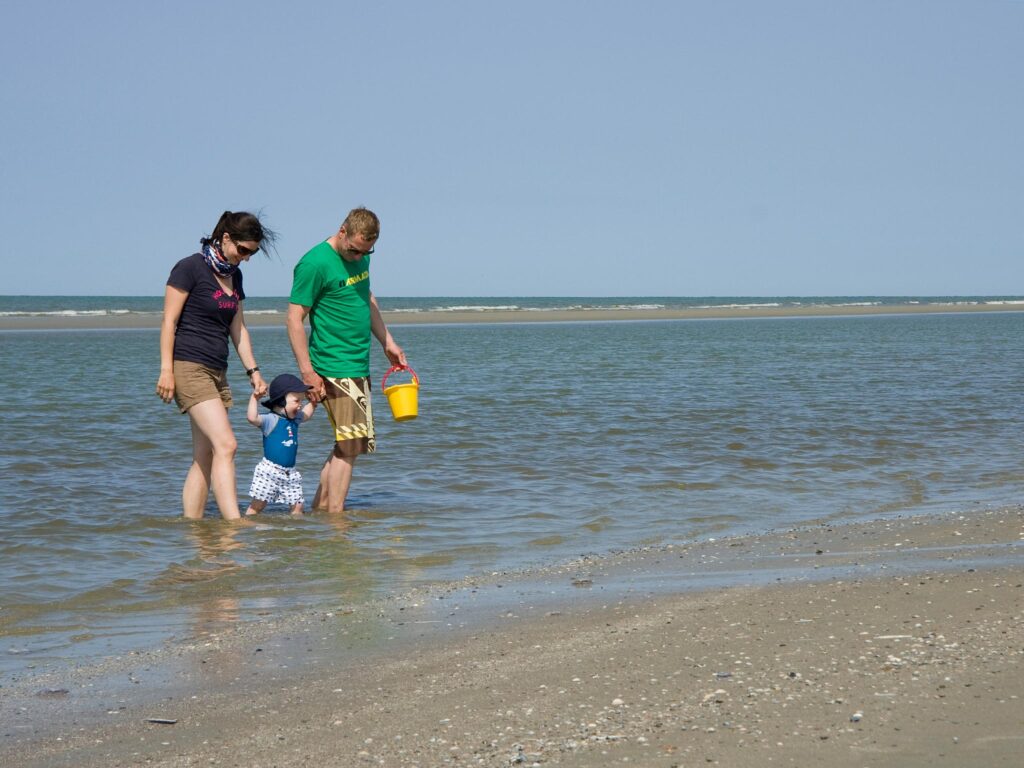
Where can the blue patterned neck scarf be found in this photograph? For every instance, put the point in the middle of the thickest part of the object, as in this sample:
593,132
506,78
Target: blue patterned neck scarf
217,262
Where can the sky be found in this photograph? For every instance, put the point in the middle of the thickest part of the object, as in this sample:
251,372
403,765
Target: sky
554,148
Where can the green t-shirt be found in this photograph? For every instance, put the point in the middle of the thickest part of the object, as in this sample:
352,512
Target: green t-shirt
338,294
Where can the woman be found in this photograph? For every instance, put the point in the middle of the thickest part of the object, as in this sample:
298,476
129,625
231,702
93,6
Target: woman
202,309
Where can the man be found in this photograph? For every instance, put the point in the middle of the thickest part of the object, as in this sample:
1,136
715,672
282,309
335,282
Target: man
331,286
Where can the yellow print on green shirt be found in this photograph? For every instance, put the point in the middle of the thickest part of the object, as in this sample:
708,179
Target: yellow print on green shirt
357,278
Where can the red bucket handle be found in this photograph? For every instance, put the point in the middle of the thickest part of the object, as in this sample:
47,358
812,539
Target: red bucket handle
393,368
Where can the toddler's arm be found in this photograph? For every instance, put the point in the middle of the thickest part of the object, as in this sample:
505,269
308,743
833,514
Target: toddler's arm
253,414
307,410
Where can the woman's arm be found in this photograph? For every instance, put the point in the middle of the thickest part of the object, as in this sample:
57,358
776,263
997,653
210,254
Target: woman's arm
174,301
243,345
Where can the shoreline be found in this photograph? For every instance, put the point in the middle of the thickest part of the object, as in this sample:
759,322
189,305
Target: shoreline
894,640
258,320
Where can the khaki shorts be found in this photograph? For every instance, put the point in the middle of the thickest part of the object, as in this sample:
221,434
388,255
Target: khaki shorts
195,383
348,407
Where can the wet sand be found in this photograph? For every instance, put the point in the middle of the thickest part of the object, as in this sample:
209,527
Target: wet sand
897,642
135,321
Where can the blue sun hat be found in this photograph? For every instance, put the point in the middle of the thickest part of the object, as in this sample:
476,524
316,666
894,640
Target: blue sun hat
281,386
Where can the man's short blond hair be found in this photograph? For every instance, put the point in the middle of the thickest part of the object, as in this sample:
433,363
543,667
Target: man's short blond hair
362,221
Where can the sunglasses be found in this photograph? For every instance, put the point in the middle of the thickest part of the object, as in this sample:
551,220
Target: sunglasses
357,253
242,250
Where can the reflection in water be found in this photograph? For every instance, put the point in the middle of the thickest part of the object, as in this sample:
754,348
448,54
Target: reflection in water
214,540
216,607
341,524
215,615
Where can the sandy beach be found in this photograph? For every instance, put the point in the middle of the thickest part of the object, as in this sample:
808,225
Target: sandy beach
128,321
891,643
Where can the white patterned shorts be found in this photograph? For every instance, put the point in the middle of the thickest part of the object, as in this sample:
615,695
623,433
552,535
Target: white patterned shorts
272,483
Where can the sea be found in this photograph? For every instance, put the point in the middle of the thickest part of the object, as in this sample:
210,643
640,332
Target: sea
535,444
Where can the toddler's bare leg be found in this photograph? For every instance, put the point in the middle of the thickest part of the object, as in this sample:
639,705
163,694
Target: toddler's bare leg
255,507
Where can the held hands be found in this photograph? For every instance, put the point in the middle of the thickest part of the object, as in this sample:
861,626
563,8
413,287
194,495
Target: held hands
259,386
165,386
309,407
319,390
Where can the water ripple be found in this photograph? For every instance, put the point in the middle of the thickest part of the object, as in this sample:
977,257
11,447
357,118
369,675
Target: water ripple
534,443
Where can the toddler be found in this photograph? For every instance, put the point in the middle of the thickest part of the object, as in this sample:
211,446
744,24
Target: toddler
275,477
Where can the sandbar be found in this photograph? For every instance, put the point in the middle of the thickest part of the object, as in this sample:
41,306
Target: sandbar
253,319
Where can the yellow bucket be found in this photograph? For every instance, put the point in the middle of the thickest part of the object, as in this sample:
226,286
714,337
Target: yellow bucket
402,397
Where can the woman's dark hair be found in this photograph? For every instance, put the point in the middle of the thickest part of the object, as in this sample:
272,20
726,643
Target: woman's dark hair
242,226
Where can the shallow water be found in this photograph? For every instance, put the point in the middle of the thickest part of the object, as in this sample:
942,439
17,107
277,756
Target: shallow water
535,443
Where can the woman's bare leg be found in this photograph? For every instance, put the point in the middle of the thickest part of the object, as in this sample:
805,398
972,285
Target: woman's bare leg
197,482
210,420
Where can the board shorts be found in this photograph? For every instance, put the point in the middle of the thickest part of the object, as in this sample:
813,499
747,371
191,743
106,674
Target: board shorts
195,383
273,483
347,403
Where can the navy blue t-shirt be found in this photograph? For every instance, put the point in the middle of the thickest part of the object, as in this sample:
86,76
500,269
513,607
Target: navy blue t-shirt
203,328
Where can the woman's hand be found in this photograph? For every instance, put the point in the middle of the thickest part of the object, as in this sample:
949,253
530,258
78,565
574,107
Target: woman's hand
259,386
165,386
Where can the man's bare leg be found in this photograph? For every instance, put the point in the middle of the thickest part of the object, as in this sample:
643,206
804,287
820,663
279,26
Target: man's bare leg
322,491
339,478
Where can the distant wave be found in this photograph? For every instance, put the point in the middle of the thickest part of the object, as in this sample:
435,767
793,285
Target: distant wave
741,306
459,308
476,308
75,313
628,307
518,308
